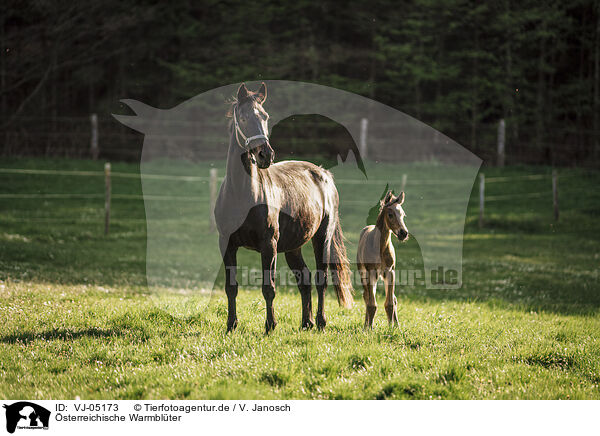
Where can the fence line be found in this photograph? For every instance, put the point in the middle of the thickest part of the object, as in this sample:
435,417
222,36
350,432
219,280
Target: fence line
195,198
113,196
213,179
101,174
208,178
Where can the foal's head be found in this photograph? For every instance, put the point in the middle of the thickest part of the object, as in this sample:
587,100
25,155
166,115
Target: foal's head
392,215
250,125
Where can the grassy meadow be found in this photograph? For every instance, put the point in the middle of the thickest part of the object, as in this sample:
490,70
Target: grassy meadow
78,319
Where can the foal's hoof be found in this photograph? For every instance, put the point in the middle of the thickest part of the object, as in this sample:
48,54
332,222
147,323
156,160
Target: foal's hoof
321,322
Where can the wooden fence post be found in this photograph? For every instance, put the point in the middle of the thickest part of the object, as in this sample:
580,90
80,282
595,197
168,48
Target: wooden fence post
364,124
403,183
481,197
213,198
555,193
94,139
107,190
501,138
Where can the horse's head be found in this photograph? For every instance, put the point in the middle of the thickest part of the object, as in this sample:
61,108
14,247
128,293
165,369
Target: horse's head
394,215
250,124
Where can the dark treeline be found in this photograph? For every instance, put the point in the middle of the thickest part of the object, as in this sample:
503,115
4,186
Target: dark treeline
458,65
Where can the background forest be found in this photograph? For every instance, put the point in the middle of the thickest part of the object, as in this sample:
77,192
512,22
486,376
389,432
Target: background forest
458,65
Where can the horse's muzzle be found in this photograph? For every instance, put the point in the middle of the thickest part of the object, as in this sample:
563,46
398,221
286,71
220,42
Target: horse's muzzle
265,156
402,235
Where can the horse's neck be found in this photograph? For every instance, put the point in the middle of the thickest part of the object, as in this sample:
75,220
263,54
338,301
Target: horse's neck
241,178
385,235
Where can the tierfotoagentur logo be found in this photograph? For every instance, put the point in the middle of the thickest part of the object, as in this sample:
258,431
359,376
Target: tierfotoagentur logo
388,148
24,415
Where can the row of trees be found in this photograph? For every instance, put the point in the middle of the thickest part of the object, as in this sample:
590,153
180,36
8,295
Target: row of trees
459,65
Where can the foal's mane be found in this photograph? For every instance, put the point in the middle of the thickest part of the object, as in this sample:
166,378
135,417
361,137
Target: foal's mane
380,218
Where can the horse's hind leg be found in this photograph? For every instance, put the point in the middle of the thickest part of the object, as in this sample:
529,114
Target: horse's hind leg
391,304
269,261
296,263
320,276
369,282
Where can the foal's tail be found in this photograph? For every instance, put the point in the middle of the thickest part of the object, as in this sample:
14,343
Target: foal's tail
340,268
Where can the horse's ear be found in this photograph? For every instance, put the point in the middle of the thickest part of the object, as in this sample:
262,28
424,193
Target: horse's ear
400,198
388,197
262,93
242,93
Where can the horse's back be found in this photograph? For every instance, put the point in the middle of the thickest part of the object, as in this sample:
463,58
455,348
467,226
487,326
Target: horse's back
302,183
290,170
306,197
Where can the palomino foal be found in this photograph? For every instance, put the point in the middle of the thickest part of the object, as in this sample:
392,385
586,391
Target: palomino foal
376,256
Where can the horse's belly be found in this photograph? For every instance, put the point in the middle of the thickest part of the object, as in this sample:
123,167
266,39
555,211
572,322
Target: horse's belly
294,232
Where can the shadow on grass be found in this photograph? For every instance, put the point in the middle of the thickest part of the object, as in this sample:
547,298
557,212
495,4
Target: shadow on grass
62,334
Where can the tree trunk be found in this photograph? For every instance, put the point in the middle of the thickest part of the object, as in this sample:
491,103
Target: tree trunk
510,105
579,107
474,94
418,96
539,113
596,121
2,71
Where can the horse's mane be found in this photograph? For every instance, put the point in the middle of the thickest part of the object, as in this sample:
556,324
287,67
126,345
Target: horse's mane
380,223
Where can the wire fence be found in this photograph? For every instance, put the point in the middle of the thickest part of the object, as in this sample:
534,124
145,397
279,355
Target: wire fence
550,194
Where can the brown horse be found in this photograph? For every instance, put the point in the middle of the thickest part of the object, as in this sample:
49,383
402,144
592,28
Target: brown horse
376,256
277,208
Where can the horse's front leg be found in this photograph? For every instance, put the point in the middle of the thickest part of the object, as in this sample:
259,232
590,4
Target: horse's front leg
269,262
231,285
389,277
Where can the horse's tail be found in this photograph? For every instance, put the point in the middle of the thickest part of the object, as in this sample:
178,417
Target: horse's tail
340,268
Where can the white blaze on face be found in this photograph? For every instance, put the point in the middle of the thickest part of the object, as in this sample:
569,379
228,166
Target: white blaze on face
263,119
400,215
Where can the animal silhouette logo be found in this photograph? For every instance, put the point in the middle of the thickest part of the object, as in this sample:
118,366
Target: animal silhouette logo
184,141
26,415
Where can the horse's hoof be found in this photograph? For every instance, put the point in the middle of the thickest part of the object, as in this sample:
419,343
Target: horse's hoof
321,322
270,326
307,325
231,326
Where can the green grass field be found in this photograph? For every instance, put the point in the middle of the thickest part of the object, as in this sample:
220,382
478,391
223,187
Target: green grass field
78,319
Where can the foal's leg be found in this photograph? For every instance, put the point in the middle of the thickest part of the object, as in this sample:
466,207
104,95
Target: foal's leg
302,273
369,282
320,279
269,262
231,286
390,299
